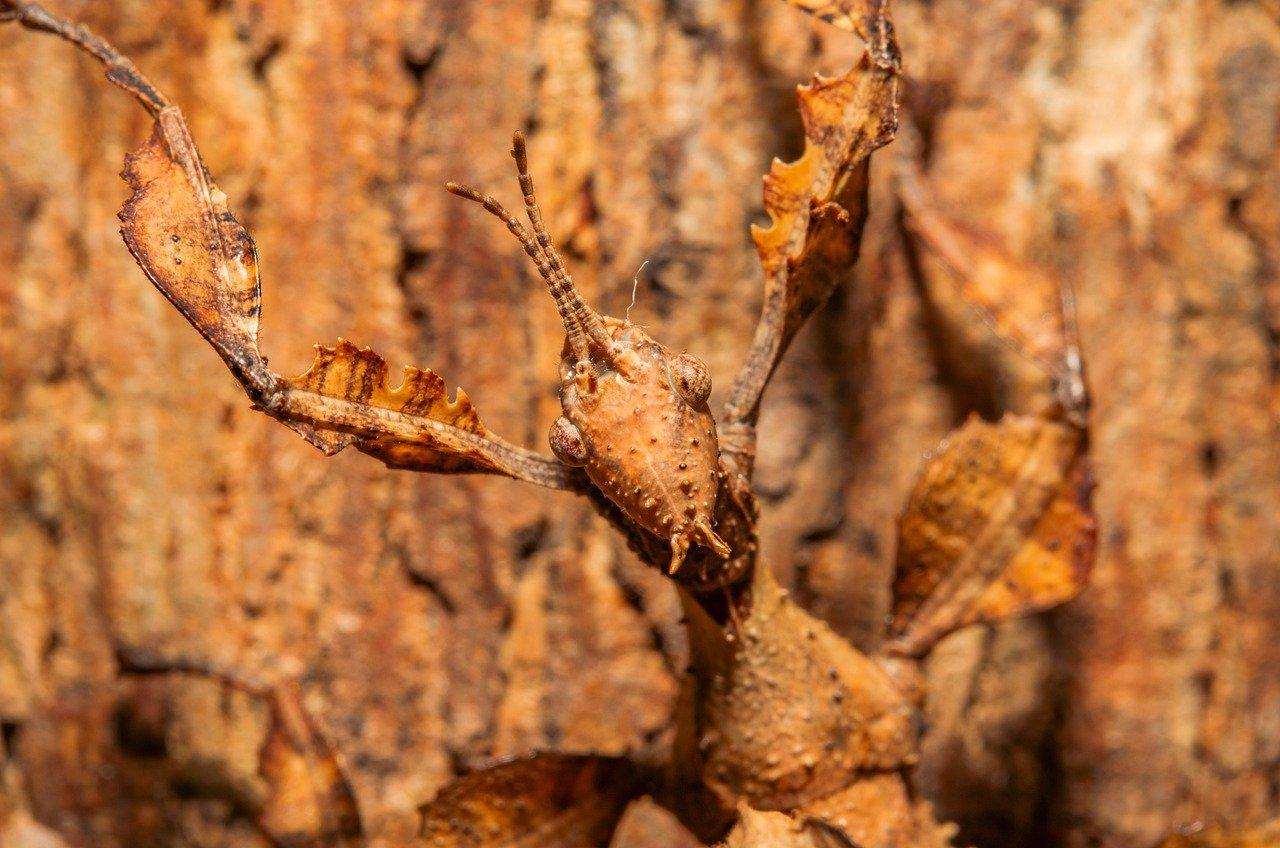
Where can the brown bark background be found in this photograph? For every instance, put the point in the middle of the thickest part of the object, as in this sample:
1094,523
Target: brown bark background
436,622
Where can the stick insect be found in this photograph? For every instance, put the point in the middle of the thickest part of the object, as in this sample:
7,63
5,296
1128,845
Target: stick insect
793,738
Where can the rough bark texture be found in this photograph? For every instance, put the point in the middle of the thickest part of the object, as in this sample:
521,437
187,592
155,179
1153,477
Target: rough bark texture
435,622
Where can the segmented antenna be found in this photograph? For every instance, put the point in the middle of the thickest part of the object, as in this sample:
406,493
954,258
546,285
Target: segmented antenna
580,320
590,321
577,340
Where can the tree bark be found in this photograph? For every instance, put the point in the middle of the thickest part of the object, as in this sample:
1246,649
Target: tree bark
435,622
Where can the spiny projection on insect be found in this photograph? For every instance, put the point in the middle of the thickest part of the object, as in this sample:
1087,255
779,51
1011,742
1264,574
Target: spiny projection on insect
792,737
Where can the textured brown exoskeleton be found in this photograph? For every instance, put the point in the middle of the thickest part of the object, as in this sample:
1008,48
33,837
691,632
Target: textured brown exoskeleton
635,415
784,715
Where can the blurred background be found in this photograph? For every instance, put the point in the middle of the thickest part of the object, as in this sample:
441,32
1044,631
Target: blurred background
433,623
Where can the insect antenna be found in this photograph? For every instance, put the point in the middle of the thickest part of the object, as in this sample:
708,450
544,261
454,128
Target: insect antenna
577,340
564,288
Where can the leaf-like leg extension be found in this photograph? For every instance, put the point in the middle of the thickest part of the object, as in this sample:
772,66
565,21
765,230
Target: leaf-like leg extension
345,399
180,231
981,291
310,800
1000,522
817,205
999,525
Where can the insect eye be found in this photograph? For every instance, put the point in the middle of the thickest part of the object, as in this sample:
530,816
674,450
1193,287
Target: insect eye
692,381
566,442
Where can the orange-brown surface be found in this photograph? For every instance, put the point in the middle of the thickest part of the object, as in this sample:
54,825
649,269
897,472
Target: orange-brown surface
435,622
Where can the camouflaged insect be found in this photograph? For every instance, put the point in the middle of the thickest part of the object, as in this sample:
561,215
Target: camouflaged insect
786,716
635,415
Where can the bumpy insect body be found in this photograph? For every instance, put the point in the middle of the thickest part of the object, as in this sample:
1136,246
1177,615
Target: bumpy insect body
649,446
635,416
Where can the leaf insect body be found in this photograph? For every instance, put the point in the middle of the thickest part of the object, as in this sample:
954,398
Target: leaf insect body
635,417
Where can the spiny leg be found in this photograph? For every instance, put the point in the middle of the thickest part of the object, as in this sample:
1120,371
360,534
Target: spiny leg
180,231
119,69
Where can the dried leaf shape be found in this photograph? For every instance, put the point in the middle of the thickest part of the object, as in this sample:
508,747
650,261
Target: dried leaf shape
553,800
1053,565
970,274
178,228
817,206
180,231
869,19
999,524
345,399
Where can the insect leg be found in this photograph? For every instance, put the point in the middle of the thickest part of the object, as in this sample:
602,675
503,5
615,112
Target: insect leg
119,69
